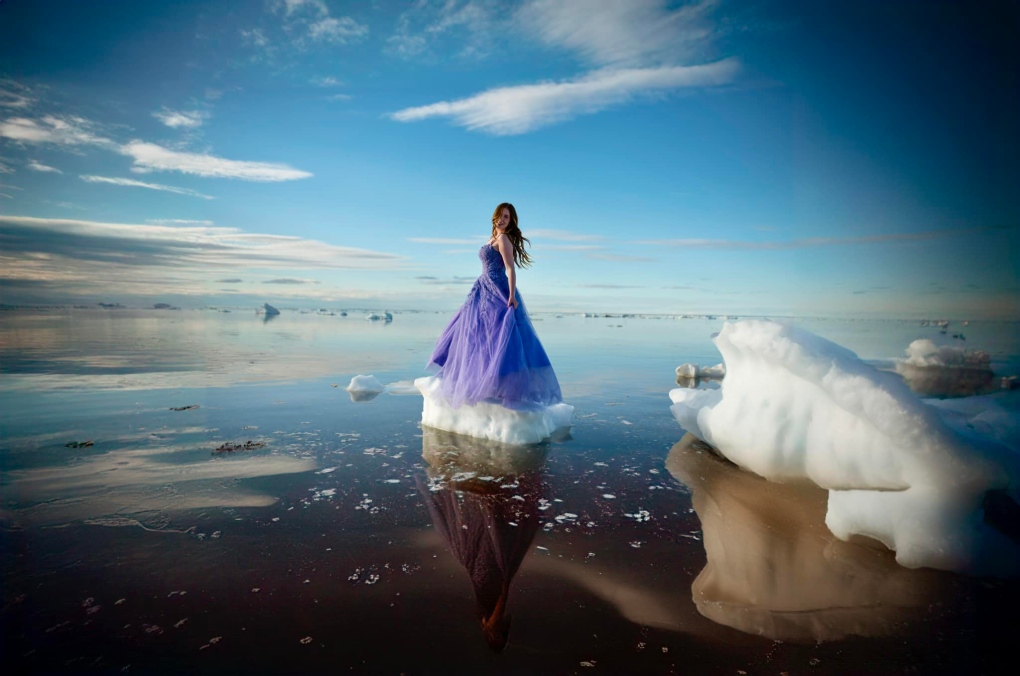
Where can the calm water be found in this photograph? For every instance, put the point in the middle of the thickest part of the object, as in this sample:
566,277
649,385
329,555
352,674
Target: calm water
349,539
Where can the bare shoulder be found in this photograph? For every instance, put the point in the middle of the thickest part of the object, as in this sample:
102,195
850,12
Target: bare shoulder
503,240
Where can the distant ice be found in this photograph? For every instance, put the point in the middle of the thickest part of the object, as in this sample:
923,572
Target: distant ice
269,310
911,475
490,421
695,371
936,371
365,388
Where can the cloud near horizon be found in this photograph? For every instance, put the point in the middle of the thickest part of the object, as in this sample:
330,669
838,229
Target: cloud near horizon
808,242
75,257
507,111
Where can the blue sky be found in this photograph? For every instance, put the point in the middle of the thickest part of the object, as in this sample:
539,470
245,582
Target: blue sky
780,158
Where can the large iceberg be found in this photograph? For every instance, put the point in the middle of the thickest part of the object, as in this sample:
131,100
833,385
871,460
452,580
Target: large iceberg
491,421
915,477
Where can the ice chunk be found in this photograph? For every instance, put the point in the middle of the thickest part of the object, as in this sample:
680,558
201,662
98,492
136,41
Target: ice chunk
796,406
491,421
695,371
365,388
932,370
269,310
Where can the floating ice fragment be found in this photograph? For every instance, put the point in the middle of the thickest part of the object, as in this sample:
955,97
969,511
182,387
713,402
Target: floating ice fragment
328,470
609,496
391,481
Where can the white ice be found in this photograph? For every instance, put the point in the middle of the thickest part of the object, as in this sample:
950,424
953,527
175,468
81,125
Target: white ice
795,406
946,370
490,421
366,385
695,371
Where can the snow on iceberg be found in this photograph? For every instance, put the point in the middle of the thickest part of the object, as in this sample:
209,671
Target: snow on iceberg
795,406
491,421
946,370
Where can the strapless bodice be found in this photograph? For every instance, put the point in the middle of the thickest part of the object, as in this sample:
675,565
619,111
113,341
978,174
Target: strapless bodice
492,261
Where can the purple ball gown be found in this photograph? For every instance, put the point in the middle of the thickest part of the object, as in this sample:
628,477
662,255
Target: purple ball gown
489,352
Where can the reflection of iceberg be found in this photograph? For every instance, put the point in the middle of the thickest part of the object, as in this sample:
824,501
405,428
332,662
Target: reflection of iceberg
483,499
934,371
795,406
775,570
491,421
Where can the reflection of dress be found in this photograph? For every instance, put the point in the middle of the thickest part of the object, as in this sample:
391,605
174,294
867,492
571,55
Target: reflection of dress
489,352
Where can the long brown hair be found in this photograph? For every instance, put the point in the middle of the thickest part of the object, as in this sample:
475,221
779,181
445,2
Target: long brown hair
521,257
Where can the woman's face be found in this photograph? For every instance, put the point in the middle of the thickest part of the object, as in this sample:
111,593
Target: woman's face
504,220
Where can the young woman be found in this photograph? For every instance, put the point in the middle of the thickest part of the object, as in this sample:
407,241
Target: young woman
489,351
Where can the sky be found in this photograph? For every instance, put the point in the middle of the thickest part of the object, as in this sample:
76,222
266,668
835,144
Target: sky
735,157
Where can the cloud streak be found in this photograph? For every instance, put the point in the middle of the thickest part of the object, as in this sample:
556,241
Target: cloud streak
152,157
176,119
505,111
810,242
131,183
131,257
38,166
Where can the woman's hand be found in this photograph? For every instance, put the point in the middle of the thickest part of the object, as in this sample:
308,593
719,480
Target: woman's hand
512,303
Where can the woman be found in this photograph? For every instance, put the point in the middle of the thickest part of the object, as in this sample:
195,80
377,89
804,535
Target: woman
489,351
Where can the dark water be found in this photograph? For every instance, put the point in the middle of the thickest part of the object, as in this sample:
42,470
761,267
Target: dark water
355,541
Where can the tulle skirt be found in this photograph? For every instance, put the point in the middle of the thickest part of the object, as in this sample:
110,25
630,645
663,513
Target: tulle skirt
489,352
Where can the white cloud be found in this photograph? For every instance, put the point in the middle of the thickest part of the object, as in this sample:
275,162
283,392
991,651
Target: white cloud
613,33
339,31
445,240
9,98
152,157
188,119
36,166
476,26
520,109
139,184
63,131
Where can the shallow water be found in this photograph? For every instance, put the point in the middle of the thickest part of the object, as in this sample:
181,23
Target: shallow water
353,540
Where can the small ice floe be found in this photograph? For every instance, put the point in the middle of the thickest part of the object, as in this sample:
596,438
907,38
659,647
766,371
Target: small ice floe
384,317
640,515
490,420
939,371
910,474
327,470
365,388
268,310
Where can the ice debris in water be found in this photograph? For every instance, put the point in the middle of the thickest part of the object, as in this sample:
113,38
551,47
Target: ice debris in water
491,421
695,371
365,388
912,475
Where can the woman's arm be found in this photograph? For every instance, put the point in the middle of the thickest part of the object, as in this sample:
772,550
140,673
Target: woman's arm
506,250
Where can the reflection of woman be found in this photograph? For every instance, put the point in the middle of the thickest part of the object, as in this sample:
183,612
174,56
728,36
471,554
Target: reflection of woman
489,350
488,528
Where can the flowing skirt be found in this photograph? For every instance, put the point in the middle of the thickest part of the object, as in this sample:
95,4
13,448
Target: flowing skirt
490,353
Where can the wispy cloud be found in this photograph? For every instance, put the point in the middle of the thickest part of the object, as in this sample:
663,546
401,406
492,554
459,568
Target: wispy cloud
290,280
61,131
77,131
177,221
620,258
445,240
187,119
232,280
310,21
10,187
572,247
810,242
152,157
564,235
437,281
37,166
473,25
14,95
519,109
328,81
627,34
608,286
75,257
131,183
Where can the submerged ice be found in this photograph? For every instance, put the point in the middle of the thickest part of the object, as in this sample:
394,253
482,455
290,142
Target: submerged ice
795,406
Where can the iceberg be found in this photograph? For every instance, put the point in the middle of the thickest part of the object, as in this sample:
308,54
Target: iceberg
365,388
939,371
794,406
269,310
491,421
